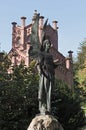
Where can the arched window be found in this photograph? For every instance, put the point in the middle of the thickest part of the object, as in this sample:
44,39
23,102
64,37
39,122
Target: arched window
18,40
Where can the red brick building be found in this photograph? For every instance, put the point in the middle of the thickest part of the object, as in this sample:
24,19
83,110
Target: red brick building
21,46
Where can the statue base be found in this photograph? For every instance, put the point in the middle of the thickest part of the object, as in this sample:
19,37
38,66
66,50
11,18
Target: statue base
45,122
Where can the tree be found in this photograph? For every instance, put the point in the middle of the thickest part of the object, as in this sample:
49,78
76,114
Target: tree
81,63
4,65
66,107
18,99
80,70
19,102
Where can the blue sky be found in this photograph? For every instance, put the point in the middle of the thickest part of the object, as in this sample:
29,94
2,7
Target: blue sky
70,14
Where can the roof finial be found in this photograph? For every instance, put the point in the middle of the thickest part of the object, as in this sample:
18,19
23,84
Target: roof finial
35,11
35,15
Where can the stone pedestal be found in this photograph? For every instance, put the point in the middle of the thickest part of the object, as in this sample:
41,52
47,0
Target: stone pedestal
45,122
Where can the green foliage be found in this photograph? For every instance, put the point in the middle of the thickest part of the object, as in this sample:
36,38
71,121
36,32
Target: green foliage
80,64
80,71
19,102
66,107
81,55
18,99
4,65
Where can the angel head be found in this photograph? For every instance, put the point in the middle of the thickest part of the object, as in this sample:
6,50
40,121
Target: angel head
46,45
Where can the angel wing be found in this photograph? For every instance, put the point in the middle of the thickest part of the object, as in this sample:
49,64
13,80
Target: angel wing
35,44
44,31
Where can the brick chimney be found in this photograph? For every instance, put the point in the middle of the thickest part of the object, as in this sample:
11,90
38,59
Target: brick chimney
54,25
71,70
68,63
70,54
55,28
23,21
14,24
69,60
41,23
13,33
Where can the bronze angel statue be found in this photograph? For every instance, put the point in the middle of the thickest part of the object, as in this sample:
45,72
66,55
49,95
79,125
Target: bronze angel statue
45,64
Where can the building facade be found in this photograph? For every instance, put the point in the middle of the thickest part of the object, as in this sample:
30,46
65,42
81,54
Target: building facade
21,46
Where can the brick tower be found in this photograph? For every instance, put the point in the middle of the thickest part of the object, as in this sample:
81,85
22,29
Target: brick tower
21,45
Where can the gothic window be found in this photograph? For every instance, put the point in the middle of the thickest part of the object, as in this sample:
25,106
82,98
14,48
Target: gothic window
19,32
18,40
28,38
28,31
